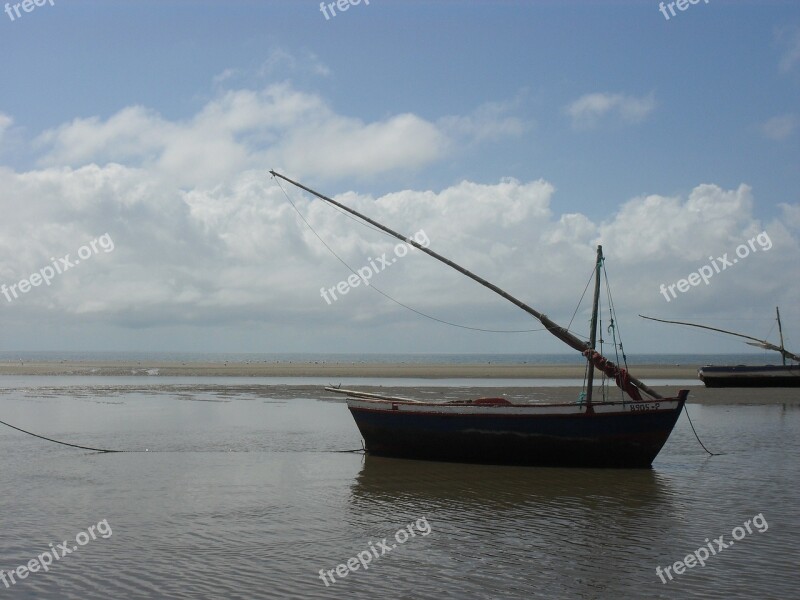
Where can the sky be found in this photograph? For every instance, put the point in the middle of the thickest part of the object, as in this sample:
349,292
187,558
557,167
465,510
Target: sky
139,214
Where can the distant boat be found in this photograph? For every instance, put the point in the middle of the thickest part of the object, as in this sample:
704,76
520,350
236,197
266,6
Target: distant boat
629,432
744,375
747,376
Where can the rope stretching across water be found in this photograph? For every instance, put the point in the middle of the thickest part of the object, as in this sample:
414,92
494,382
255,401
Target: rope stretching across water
41,437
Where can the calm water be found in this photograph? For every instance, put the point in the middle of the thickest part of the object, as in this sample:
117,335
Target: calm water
244,496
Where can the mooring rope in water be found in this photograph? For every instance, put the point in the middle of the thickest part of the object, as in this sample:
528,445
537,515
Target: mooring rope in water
697,437
36,435
106,450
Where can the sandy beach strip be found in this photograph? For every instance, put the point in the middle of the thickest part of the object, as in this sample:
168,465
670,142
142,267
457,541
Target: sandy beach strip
151,373
332,369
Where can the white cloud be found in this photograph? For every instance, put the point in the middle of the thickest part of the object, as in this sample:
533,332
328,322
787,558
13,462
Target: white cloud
652,227
278,63
5,123
781,127
279,125
342,146
791,215
280,60
491,121
226,75
789,40
134,134
204,237
238,254
587,110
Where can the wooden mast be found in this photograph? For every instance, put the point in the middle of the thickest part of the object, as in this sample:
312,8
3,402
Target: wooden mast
593,333
780,332
551,326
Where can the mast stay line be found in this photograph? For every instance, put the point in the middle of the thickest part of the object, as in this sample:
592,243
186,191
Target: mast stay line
551,326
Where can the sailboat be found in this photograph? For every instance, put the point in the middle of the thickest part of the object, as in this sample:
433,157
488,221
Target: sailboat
745,375
624,433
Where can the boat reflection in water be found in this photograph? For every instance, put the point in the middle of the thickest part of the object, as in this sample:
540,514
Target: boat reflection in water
453,487
514,529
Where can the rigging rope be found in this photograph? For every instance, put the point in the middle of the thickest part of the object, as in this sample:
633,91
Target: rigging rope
578,306
600,342
614,321
384,294
613,327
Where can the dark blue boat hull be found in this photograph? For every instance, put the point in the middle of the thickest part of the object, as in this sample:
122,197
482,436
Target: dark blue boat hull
750,376
617,440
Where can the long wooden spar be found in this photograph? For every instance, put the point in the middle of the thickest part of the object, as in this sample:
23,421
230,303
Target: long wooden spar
551,326
756,341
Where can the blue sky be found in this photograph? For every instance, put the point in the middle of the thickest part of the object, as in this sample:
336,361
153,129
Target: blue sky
666,140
